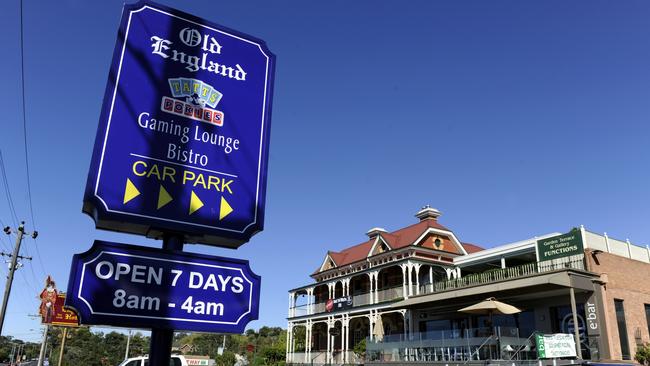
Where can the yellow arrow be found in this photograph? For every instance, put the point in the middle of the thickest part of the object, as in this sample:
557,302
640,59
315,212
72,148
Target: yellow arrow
130,192
163,197
224,209
195,203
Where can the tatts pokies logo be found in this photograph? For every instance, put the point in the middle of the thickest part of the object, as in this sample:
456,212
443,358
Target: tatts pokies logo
197,95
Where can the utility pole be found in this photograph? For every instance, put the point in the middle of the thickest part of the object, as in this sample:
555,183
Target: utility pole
13,353
12,268
128,343
65,335
41,356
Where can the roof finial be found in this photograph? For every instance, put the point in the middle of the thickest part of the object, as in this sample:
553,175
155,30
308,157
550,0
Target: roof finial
427,212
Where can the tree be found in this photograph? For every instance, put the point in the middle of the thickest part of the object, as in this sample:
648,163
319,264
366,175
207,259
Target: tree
226,359
643,354
360,349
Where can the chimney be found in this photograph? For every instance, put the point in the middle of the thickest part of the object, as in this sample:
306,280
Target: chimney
428,213
375,231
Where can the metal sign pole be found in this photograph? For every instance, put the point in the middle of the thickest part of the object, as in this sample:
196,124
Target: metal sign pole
160,346
63,338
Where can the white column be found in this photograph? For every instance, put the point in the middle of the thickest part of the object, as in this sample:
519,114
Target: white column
310,301
376,287
372,287
405,325
309,340
609,250
329,342
289,340
431,277
417,278
344,340
503,262
306,340
458,272
410,272
287,346
404,280
371,325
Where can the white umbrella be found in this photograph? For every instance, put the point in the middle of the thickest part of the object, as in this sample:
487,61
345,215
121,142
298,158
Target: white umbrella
378,332
490,306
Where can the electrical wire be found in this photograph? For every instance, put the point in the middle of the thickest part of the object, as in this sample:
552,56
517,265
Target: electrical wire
10,201
22,81
29,184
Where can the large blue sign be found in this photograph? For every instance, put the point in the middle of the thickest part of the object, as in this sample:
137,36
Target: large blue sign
182,143
117,284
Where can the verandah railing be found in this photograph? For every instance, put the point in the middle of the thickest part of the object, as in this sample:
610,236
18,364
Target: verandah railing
502,274
473,279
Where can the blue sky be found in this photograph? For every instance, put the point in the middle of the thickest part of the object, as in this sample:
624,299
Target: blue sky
513,118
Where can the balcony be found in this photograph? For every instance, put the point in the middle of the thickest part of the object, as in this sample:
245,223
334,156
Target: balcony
362,299
469,280
502,274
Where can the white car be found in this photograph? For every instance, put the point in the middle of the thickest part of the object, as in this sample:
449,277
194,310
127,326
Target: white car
177,360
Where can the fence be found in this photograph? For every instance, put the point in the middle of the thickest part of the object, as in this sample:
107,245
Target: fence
499,343
502,274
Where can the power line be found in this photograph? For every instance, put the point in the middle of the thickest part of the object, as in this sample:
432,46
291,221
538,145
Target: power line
10,201
39,257
24,115
22,81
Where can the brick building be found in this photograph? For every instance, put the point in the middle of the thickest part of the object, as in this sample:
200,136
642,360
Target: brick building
402,290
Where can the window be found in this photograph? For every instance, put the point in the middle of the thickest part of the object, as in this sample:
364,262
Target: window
647,316
622,329
134,363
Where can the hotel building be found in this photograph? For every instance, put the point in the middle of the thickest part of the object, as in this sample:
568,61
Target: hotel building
400,291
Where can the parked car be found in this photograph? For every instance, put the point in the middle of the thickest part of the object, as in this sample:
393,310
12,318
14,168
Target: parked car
176,360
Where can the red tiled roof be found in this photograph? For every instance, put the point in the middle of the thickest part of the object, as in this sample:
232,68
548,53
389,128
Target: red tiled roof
471,248
397,239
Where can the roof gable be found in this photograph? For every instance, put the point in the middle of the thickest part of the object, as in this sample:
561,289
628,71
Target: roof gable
328,263
379,246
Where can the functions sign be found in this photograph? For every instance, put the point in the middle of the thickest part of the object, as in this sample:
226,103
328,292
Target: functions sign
117,284
560,246
182,143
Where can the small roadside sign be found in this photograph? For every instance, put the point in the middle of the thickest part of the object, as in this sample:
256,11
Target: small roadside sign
116,284
555,345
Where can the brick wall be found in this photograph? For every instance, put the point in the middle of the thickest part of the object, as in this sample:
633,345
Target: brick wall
627,280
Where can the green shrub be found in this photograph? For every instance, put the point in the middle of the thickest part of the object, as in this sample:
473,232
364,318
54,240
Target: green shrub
360,348
643,354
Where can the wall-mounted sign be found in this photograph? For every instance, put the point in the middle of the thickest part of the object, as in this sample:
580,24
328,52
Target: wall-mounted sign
555,345
560,246
592,315
183,138
341,303
117,284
